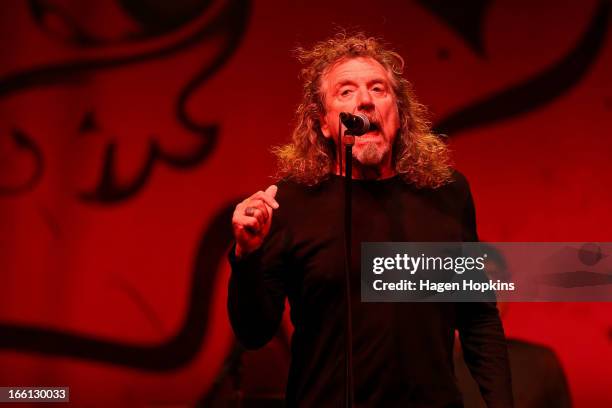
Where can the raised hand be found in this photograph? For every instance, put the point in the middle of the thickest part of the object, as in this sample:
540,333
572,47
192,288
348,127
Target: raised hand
252,219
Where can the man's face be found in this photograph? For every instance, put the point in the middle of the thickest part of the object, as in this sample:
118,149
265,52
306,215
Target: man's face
362,85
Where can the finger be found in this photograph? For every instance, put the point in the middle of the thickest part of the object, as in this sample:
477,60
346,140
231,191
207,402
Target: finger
261,215
268,199
271,191
251,224
259,204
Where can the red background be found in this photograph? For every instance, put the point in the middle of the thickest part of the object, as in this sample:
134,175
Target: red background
112,273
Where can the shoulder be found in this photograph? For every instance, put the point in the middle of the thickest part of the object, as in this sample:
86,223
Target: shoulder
459,178
459,183
456,190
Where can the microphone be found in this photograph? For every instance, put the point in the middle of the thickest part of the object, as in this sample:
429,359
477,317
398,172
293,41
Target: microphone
357,124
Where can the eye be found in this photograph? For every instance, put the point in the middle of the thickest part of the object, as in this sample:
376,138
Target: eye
345,92
378,89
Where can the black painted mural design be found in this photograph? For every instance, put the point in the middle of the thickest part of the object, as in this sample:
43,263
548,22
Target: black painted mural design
176,352
28,147
465,18
229,24
530,94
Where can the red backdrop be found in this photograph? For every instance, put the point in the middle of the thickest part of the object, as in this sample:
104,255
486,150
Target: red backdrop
129,127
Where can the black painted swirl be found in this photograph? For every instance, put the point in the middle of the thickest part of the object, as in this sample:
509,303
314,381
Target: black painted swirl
172,354
539,90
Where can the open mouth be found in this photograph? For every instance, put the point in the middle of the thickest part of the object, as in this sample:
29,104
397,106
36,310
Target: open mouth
372,131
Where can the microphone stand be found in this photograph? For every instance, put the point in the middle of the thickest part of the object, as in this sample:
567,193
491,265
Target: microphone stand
349,140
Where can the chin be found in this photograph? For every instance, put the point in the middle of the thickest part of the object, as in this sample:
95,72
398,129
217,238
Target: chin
370,160
370,154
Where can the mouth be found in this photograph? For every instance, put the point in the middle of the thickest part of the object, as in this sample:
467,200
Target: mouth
373,130
373,133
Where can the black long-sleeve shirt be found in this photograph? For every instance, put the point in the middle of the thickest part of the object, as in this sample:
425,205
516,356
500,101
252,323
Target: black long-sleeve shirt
402,352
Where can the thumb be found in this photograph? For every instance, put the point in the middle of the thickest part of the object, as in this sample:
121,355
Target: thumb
272,190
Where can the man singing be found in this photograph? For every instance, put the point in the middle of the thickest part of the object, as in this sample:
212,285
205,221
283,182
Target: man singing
290,243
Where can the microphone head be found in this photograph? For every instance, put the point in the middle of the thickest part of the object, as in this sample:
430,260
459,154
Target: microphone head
365,124
357,124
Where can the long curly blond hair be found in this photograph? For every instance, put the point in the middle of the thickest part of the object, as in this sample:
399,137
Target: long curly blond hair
419,156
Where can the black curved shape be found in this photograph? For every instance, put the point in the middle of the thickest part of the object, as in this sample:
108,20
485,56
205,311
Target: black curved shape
109,190
230,21
40,9
154,17
162,16
25,142
465,17
538,90
233,15
174,353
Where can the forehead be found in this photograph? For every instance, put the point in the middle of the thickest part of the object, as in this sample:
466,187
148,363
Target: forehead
361,69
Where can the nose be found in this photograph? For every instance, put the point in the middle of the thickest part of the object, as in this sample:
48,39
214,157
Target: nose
364,100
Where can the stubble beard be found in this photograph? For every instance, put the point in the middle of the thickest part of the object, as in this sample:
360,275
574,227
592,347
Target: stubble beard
370,155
